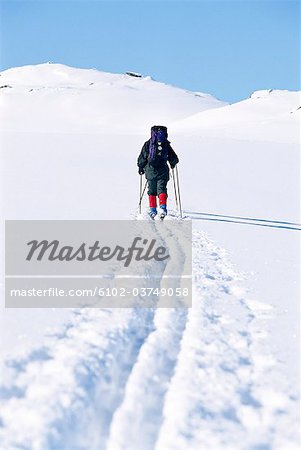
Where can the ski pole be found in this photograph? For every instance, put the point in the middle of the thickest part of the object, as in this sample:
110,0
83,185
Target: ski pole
141,194
140,190
174,185
180,206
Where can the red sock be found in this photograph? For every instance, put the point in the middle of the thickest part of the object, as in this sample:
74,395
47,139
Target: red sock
162,198
152,201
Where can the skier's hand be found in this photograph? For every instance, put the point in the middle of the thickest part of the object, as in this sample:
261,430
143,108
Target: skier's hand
141,171
172,166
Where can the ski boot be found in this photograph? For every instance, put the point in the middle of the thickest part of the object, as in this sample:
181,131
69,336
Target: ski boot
152,213
163,212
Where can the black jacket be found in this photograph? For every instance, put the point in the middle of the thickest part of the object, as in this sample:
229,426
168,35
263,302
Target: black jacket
161,170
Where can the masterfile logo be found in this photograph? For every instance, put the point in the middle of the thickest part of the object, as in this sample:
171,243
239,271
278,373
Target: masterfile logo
95,252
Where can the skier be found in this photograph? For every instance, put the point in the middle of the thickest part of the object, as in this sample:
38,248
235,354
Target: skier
153,162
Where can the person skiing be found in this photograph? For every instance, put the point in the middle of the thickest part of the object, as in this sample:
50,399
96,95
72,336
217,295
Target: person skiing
153,162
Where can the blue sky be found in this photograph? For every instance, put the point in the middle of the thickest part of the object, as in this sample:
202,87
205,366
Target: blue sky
228,49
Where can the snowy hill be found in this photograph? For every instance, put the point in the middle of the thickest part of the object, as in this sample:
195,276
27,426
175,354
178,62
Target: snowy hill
270,115
222,375
81,100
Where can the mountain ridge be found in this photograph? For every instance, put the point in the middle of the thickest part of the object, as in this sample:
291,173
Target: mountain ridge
51,97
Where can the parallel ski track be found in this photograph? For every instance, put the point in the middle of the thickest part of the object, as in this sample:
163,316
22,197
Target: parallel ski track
138,427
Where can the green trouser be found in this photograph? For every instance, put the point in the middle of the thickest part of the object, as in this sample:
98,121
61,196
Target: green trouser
157,186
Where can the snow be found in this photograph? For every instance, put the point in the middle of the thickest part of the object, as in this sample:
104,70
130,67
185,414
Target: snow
269,115
89,101
220,375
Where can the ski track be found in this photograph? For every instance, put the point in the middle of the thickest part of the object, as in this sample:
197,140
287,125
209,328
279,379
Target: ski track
136,423
155,379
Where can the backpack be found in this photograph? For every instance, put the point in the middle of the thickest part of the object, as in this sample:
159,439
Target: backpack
158,152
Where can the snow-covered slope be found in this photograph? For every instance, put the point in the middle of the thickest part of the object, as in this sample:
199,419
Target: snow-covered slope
269,115
54,97
222,375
